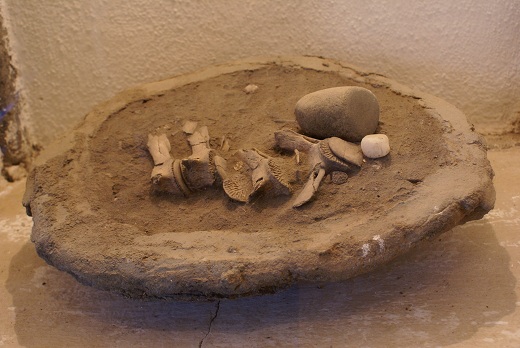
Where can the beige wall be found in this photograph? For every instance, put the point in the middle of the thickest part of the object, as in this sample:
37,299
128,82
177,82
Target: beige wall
72,54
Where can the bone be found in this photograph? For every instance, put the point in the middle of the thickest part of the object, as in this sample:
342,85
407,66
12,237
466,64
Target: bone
330,161
198,143
266,175
325,156
163,177
159,147
348,152
179,178
198,170
289,140
310,188
224,144
297,156
338,178
205,134
189,127
237,187
221,167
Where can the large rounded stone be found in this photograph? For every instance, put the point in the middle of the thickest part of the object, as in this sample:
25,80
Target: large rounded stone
348,112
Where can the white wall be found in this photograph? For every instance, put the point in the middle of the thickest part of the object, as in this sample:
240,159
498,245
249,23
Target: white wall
72,54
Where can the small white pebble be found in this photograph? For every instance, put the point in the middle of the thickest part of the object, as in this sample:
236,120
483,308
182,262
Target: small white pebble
250,88
375,145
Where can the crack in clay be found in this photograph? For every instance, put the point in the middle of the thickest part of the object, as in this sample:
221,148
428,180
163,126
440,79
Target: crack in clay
210,324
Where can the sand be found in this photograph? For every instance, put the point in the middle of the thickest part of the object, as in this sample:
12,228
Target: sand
121,165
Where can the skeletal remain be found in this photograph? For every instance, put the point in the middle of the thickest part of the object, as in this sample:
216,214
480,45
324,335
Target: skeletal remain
205,134
311,186
297,156
159,147
238,187
346,151
163,175
198,170
203,167
224,144
290,141
238,165
189,127
266,174
325,156
181,176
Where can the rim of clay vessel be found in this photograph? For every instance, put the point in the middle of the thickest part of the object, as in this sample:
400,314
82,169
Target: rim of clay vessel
435,207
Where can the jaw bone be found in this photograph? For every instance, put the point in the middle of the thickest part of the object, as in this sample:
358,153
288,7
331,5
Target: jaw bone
266,175
325,156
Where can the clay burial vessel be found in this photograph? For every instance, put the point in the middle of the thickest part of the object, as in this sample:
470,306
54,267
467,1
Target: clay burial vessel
98,217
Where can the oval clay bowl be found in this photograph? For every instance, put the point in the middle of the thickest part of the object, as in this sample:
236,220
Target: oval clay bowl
97,218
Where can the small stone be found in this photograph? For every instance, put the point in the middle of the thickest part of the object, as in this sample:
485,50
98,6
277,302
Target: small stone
232,250
250,89
347,112
375,145
339,178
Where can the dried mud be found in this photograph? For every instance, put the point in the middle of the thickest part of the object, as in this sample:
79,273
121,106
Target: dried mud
121,164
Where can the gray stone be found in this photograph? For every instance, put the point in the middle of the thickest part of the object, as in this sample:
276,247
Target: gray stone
347,112
338,178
